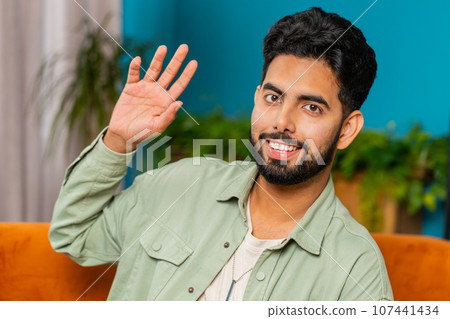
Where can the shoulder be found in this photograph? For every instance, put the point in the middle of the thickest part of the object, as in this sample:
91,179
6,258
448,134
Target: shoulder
358,251
211,172
352,233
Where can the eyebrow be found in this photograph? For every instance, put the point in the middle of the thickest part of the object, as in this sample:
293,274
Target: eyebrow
270,86
303,97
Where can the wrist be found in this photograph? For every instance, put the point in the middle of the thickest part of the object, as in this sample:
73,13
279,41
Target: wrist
116,143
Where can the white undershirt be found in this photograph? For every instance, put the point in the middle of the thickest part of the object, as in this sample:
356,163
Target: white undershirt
247,255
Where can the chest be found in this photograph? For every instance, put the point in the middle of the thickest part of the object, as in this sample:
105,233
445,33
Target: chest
171,271
180,255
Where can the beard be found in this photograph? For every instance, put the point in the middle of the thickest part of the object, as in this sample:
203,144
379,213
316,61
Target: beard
280,172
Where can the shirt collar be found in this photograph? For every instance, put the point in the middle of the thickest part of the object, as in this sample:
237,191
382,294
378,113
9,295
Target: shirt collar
310,230
240,186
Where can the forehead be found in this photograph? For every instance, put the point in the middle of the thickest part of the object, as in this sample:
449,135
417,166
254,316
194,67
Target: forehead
303,76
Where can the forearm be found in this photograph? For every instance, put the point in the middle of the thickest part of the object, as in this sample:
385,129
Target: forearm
80,226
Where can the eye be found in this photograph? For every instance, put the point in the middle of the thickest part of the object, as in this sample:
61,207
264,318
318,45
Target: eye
272,98
313,108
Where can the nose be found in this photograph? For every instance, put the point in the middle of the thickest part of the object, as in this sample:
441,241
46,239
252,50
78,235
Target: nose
284,121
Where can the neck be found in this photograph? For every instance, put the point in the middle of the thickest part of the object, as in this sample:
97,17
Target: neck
275,209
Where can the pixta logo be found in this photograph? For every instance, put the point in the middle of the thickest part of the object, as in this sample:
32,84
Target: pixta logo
145,153
146,150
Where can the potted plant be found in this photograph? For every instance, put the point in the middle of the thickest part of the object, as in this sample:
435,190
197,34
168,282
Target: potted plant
396,177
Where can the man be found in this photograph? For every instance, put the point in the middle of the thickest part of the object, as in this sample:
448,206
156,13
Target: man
273,230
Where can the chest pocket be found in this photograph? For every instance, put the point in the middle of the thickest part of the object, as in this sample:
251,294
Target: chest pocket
165,252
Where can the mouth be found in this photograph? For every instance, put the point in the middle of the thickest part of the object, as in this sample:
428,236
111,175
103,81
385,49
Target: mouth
280,150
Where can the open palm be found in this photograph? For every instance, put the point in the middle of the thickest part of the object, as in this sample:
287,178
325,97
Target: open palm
146,107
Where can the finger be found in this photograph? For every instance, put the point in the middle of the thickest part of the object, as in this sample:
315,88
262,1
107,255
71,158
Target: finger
169,115
133,71
182,82
174,65
155,67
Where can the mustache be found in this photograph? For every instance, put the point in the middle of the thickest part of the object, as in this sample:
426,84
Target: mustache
281,136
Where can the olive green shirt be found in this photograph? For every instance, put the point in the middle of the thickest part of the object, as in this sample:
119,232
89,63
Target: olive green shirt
172,231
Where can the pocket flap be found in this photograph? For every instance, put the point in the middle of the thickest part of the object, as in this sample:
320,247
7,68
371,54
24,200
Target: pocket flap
162,243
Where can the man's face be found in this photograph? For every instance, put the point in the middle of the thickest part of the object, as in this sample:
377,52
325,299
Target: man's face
309,111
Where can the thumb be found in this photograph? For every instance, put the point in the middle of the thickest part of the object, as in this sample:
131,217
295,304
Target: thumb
169,114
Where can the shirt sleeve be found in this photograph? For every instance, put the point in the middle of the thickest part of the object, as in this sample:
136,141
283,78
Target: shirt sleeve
87,217
368,279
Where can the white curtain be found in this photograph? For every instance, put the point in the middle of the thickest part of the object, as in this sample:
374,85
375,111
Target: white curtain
31,31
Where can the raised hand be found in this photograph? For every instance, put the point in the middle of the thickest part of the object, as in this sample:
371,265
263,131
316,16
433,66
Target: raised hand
147,106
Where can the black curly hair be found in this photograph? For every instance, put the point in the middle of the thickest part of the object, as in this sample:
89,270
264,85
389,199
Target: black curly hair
317,34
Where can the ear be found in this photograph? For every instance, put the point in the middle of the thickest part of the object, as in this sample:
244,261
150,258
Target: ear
258,88
350,129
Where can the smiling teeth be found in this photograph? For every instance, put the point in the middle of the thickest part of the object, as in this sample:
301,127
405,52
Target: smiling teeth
282,147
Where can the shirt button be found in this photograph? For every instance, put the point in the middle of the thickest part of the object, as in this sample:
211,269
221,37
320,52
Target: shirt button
260,276
226,245
191,289
156,246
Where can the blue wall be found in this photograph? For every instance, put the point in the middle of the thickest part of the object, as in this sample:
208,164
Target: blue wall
409,38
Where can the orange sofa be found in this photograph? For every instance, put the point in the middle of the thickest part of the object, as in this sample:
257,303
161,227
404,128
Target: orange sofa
418,267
